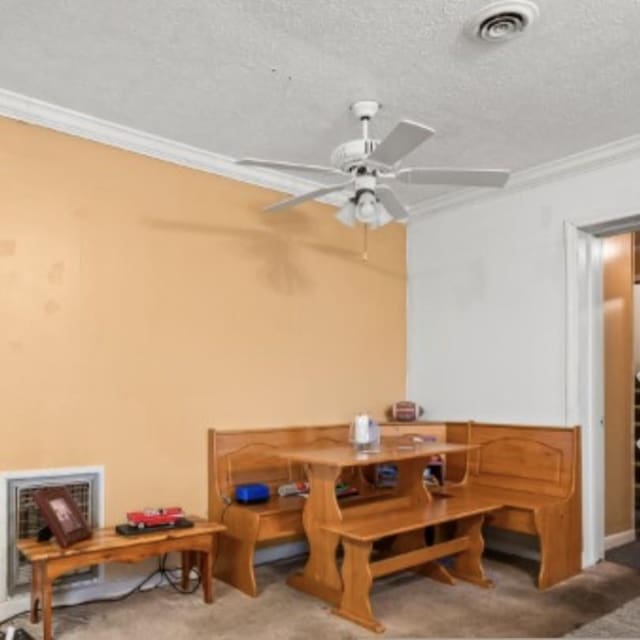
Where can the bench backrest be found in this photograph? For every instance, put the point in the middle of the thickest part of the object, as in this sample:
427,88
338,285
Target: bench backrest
401,431
542,460
251,455
457,463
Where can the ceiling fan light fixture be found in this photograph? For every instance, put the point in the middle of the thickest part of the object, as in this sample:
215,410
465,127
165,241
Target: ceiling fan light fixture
366,209
347,215
384,217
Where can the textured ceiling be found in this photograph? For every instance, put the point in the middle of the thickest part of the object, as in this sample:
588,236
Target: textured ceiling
274,78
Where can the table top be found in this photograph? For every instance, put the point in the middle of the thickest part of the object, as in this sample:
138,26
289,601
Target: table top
107,538
391,450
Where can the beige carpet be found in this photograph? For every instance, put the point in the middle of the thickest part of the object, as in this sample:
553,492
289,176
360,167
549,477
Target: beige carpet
622,623
410,606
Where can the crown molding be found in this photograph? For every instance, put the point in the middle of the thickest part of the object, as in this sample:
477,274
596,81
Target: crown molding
45,114
589,160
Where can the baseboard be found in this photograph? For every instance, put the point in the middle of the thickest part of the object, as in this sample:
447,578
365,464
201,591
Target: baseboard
618,539
280,552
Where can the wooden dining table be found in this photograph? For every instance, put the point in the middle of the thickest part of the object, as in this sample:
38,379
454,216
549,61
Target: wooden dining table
325,467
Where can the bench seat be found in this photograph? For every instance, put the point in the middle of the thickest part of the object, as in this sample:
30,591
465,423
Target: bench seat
409,550
440,510
507,497
275,505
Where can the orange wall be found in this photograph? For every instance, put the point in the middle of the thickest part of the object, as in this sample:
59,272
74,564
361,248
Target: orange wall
618,378
142,303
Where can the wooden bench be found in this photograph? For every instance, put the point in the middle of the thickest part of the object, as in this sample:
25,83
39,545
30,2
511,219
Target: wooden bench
359,534
49,561
250,455
534,472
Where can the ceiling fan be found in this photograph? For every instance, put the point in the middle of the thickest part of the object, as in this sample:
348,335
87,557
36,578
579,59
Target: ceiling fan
370,165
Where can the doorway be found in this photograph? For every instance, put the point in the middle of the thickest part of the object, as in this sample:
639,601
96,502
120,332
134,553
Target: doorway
600,363
622,396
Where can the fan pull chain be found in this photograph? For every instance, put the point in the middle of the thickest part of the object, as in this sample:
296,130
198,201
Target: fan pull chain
365,248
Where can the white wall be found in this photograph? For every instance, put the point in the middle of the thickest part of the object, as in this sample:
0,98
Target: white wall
486,296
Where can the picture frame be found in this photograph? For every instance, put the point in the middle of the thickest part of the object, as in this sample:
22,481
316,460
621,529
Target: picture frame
61,513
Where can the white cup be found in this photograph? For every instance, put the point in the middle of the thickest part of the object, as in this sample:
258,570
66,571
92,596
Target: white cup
362,422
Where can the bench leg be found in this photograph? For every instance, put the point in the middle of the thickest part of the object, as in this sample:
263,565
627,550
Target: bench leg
206,575
46,605
468,564
235,563
415,540
357,579
560,532
436,572
188,562
36,592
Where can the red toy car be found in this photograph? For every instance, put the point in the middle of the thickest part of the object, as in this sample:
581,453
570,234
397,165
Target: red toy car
155,517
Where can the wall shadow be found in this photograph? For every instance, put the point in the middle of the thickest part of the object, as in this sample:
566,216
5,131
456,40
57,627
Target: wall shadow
274,248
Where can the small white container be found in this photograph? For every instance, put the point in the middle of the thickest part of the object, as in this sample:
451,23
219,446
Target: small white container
364,434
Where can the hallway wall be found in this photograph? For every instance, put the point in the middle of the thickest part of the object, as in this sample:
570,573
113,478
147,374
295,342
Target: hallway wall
619,394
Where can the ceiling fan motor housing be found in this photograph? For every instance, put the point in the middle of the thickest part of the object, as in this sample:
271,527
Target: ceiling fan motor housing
352,154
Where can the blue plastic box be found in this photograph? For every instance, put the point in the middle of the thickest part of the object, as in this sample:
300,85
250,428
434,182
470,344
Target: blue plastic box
255,492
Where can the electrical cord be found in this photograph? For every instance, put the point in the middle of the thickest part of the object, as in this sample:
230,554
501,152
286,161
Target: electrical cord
174,582
162,571
227,503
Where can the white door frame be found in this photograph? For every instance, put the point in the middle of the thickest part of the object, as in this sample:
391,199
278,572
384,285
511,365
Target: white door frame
584,392
584,402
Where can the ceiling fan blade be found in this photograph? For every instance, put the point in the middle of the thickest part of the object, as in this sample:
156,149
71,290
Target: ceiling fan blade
390,202
403,139
347,215
465,177
286,166
311,195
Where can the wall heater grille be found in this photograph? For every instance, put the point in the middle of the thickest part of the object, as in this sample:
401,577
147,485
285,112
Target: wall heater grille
24,520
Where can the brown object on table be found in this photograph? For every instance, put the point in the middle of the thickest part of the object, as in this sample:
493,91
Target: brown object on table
49,560
62,514
403,512
534,472
252,455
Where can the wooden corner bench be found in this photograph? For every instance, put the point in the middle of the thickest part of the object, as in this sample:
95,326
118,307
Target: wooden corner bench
358,536
534,473
250,455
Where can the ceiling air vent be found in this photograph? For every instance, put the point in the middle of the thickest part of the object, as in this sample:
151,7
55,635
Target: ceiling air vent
501,21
